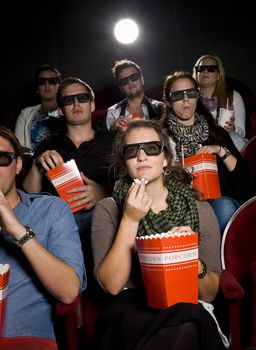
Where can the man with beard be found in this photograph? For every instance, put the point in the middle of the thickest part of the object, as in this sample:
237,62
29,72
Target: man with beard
135,105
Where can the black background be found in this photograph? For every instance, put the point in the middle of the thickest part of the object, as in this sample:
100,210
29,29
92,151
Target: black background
77,37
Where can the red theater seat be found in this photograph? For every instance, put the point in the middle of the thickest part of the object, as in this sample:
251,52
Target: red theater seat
238,279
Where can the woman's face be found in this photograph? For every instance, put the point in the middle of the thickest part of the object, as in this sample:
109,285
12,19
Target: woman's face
206,78
184,108
144,165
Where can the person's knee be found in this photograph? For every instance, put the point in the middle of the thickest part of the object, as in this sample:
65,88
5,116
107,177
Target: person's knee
224,207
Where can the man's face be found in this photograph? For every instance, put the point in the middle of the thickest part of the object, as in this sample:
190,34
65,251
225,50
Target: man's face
131,82
47,85
79,109
8,172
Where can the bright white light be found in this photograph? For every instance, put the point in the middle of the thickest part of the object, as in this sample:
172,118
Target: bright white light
126,31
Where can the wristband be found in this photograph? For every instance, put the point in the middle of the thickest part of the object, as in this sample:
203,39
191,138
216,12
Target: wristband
219,150
227,154
27,236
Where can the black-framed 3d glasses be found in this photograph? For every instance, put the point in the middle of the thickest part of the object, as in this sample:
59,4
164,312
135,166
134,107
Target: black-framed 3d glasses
132,77
81,98
209,68
6,158
179,95
152,148
51,81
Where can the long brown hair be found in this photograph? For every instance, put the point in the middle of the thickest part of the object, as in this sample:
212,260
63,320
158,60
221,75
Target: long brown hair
200,108
118,165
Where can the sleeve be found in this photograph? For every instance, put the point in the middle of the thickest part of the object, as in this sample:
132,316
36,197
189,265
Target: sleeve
239,178
239,113
63,238
42,147
20,128
112,116
103,230
209,237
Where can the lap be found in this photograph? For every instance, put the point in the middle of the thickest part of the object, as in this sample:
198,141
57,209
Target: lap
128,323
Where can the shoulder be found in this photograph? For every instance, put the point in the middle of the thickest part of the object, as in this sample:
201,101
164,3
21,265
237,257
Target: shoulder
154,102
103,140
207,217
203,207
52,143
31,109
42,197
105,216
236,94
115,106
237,97
28,112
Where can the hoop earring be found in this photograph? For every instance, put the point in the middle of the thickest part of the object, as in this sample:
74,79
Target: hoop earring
166,172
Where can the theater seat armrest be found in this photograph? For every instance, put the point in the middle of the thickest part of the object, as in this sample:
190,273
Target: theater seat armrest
62,309
230,287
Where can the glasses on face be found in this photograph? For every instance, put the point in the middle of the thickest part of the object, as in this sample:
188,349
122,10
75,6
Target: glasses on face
132,77
81,98
210,68
6,158
152,148
51,81
179,95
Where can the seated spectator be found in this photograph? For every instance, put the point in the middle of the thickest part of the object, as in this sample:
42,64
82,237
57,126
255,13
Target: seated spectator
88,146
215,94
130,81
39,122
191,127
40,242
161,201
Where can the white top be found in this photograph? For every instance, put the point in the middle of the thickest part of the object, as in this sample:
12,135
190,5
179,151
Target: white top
239,113
23,125
113,112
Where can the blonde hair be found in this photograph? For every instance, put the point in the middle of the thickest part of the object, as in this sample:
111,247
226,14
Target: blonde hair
222,90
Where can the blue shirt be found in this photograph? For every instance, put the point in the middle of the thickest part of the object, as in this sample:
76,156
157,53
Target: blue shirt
29,304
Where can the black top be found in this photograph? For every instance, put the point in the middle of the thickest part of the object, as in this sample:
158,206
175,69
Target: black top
92,157
233,183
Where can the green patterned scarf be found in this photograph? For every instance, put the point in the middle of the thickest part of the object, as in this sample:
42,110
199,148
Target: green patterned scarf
181,211
190,137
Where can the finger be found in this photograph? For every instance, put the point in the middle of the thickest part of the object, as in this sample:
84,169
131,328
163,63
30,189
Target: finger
46,164
133,190
81,196
86,179
181,229
79,204
78,189
141,189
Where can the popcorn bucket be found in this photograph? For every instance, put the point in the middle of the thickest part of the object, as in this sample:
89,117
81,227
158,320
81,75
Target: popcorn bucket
65,177
206,178
4,279
169,264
